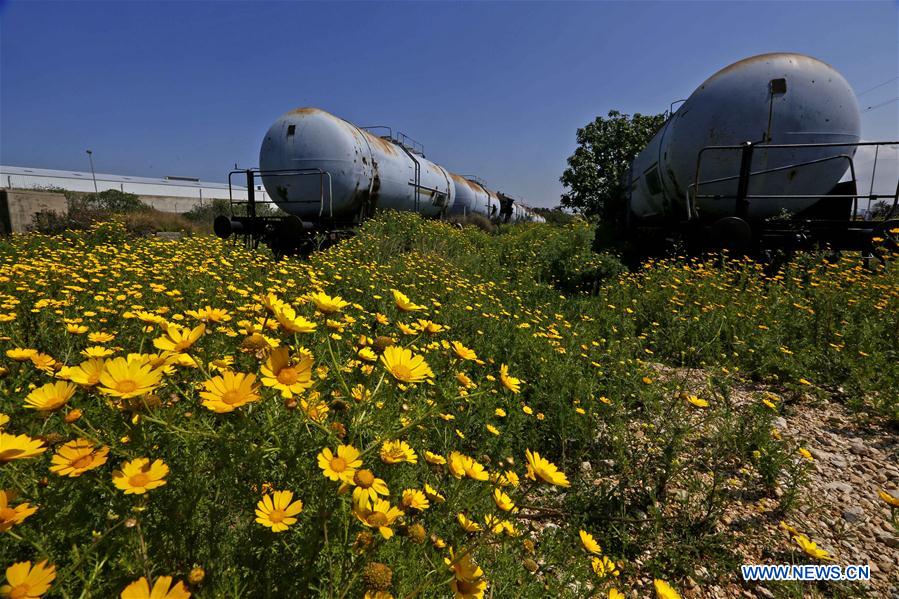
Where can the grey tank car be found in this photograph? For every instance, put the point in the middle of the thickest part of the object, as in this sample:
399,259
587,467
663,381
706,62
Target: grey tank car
328,175
760,156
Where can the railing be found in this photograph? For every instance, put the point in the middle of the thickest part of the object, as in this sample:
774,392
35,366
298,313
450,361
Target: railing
742,197
407,142
476,179
400,139
251,203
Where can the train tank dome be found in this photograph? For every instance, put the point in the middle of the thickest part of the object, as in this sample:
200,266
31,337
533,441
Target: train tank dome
779,98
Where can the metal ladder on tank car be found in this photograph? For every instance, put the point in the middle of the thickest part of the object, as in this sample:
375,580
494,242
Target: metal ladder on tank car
411,148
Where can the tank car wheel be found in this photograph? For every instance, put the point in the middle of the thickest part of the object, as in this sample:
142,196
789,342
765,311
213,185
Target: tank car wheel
731,233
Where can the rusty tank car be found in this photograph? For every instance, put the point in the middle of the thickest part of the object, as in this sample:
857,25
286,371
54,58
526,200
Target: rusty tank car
328,175
759,157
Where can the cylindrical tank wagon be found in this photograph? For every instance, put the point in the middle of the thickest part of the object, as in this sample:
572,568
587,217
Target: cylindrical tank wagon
764,140
328,175
366,171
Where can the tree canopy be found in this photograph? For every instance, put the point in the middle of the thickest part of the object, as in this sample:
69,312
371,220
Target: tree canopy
596,169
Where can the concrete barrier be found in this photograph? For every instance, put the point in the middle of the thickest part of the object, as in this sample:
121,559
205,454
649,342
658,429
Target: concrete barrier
18,207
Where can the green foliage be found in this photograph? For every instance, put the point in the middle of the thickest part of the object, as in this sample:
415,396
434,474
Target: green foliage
109,201
605,150
208,211
606,368
555,216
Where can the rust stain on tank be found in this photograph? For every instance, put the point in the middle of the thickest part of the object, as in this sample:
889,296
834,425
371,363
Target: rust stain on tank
386,146
765,58
470,184
305,110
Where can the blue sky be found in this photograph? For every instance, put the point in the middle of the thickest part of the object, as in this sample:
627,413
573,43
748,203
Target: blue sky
493,89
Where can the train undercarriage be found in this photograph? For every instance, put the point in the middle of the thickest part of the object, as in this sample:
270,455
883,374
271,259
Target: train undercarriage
834,223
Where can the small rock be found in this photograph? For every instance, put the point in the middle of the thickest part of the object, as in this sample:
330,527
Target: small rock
763,592
858,448
838,486
853,514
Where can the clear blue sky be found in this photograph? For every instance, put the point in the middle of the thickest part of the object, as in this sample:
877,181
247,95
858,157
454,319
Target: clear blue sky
493,89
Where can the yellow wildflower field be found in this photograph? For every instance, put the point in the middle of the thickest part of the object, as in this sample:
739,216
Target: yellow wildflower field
419,411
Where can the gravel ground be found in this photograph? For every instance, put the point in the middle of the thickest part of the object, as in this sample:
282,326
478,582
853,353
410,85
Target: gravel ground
854,456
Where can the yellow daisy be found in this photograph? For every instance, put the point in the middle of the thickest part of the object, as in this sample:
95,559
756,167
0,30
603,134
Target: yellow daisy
77,457
25,582
326,304
503,501
162,589
589,542
811,548
696,401
394,452
545,470
287,375
367,354
463,352
139,476
665,590
277,510
404,303
43,362
230,390
467,524
414,499
368,486
888,498
433,458
432,494
50,397
11,516
603,567
292,323
100,337
509,382
378,514
21,354
428,327
341,465
210,314
14,447
128,378
405,366
461,465
86,374
96,351
178,339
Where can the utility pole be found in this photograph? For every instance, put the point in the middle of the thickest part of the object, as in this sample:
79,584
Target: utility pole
90,156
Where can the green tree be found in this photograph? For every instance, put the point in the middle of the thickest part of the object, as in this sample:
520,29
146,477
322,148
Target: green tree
596,169
555,216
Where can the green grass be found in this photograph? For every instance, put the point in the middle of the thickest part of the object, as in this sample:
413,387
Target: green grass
650,473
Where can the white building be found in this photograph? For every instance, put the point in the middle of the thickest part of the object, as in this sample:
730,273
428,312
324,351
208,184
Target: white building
190,189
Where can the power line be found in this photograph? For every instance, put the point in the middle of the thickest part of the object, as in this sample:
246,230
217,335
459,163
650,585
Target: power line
870,108
878,86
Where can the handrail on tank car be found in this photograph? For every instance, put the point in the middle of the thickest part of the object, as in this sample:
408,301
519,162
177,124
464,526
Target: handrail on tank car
404,140
302,172
692,189
480,181
373,127
400,139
